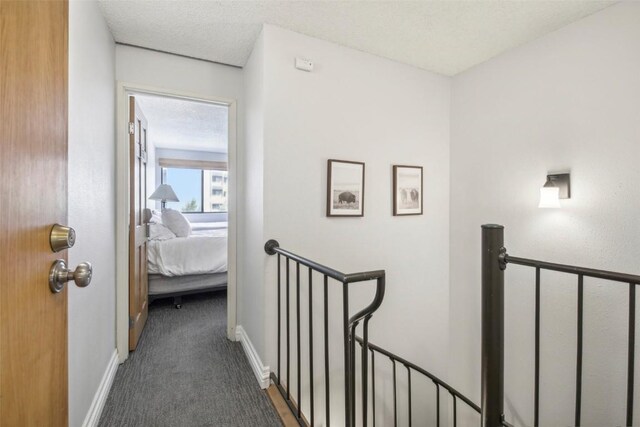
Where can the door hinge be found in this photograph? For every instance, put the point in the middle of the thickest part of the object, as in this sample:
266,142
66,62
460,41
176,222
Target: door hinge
130,322
132,128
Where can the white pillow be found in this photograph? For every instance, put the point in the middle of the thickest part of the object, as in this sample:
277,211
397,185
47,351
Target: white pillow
160,232
176,222
156,217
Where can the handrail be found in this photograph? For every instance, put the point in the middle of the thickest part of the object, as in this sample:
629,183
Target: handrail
564,268
631,279
417,368
494,262
363,276
375,304
272,247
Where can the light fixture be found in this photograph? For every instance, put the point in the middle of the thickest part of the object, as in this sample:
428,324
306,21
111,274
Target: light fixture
164,193
557,187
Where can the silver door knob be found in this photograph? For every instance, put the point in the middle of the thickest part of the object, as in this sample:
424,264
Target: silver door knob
60,274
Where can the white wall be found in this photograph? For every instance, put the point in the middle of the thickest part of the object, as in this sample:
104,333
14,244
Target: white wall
353,106
91,202
568,101
251,265
162,70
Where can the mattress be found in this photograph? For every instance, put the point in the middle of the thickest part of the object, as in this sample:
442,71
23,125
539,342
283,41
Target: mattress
204,252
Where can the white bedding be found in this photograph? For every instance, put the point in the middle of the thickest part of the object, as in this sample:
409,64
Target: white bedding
203,252
199,226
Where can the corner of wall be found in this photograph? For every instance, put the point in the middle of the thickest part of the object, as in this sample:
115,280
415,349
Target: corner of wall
261,371
251,260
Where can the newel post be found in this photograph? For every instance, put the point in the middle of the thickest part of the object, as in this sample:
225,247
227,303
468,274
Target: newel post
493,265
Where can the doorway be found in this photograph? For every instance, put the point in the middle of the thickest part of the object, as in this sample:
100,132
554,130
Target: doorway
204,210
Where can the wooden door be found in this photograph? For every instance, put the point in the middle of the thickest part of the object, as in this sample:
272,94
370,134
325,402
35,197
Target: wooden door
138,281
33,197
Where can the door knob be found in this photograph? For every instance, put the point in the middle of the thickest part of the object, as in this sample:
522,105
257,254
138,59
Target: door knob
60,274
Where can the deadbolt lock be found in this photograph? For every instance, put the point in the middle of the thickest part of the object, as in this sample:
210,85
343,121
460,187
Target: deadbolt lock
61,237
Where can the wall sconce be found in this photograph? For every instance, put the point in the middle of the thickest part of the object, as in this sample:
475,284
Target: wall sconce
558,186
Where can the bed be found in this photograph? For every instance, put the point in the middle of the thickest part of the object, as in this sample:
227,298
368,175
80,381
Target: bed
181,266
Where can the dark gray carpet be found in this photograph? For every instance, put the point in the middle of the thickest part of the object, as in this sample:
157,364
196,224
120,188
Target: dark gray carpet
186,373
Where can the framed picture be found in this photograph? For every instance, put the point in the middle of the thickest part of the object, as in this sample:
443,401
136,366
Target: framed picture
345,188
407,190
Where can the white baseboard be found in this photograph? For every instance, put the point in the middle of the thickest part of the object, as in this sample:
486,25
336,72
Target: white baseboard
99,399
261,372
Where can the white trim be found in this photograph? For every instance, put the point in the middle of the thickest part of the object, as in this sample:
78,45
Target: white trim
261,372
122,207
99,399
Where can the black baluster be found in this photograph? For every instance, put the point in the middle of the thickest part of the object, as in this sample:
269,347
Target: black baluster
299,376
365,367
455,410
288,337
326,352
579,350
395,396
311,345
279,309
352,370
631,352
347,362
536,395
373,389
437,404
409,386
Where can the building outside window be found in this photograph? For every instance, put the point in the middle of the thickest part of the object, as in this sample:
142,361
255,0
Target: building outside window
216,197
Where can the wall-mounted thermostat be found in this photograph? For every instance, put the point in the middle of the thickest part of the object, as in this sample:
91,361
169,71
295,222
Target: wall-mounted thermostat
304,64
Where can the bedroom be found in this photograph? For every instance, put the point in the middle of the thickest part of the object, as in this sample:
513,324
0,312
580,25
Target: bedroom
181,160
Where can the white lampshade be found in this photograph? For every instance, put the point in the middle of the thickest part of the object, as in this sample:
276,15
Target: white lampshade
165,193
549,197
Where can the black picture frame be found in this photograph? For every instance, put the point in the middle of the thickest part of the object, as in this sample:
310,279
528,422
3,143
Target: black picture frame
408,188
345,188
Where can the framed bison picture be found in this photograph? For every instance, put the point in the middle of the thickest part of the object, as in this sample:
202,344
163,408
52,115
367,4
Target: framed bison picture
345,188
407,190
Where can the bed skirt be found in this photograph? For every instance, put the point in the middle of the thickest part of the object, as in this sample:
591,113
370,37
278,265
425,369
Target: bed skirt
173,286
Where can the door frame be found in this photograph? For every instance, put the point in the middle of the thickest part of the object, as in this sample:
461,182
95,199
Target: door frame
122,206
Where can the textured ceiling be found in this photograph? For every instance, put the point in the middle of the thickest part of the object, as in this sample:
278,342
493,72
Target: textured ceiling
185,125
442,36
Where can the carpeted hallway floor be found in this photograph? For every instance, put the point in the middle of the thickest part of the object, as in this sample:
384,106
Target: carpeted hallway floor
186,373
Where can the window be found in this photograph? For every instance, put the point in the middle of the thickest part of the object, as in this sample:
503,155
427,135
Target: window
200,189
187,184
